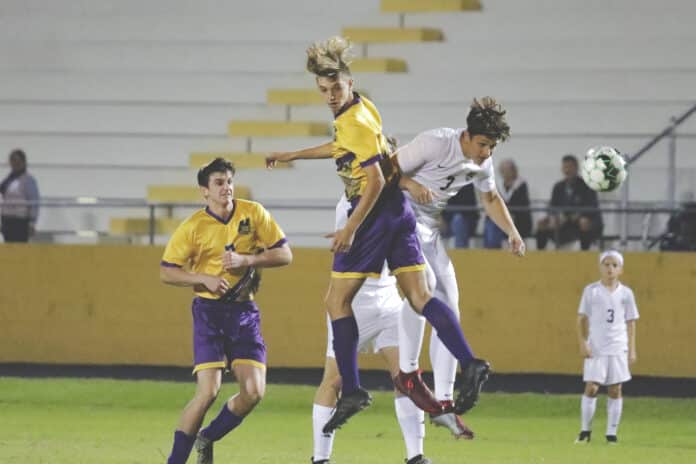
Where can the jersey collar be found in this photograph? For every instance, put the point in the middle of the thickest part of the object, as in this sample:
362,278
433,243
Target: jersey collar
218,218
356,99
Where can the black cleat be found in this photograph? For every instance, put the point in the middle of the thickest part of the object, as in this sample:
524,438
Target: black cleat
584,437
473,378
346,407
321,461
420,459
612,439
204,448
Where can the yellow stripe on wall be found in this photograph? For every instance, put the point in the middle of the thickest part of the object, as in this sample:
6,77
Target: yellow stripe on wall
105,305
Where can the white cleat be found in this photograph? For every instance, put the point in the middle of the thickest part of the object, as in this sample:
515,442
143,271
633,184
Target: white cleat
452,422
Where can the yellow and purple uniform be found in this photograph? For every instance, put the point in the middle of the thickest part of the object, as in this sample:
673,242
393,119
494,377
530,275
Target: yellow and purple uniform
227,326
389,230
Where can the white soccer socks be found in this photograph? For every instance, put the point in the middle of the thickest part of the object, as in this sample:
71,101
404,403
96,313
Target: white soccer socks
412,423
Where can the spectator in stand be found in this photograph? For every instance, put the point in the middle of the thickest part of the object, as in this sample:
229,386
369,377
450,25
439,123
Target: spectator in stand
461,224
566,226
681,228
18,219
516,195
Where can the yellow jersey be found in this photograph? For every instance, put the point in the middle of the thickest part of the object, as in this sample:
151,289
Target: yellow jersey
200,241
358,143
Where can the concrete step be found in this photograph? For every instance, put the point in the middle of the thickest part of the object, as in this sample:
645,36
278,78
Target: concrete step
241,160
277,129
428,6
391,34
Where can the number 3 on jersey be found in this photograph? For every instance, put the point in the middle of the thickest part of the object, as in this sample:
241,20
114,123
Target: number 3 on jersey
450,179
610,316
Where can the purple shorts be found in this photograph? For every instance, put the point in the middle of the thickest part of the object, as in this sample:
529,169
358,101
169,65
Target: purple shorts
388,233
225,334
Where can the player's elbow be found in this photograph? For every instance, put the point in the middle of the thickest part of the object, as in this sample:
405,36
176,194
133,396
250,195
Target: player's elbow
285,257
165,275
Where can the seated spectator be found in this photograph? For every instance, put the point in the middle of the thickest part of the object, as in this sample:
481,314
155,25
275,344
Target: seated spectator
461,224
515,193
567,226
681,229
18,220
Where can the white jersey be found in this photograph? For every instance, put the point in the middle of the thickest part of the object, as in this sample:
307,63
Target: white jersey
608,313
435,160
385,278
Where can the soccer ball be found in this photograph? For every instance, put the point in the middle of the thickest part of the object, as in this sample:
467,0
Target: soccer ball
604,169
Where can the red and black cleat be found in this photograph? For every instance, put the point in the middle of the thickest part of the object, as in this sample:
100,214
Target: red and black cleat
411,384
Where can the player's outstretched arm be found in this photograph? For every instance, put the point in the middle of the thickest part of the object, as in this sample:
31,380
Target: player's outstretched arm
179,277
318,152
498,212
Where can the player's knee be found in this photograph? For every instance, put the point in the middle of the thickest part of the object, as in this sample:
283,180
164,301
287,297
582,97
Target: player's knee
614,391
334,300
208,394
591,390
418,298
253,396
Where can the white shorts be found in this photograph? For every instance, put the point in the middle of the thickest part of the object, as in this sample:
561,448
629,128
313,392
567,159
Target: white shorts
377,311
434,250
607,370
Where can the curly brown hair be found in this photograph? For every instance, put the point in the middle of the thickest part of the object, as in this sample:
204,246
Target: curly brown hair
487,117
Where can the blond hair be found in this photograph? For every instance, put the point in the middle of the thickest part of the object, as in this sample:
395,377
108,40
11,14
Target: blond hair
330,58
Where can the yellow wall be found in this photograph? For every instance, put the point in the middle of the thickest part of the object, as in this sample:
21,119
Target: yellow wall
105,305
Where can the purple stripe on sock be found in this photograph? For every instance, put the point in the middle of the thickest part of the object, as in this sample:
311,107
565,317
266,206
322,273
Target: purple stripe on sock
448,329
345,345
181,448
223,424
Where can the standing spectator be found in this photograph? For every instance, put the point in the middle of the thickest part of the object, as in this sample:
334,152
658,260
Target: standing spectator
516,194
19,220
568,225
462,224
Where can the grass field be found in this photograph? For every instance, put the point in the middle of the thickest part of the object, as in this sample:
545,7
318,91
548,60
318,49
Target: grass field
76,421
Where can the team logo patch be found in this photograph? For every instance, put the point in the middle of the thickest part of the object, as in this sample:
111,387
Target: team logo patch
244,227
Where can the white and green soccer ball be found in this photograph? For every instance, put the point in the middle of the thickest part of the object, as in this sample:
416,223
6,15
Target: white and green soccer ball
604,169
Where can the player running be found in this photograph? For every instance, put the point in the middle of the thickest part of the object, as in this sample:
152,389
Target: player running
218,252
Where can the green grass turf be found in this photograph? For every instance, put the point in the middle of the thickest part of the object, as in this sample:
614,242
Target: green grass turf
76,421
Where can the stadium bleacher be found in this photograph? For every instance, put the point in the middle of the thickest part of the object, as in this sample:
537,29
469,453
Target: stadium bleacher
115,92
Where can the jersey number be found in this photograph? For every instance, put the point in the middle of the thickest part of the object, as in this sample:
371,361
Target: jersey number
450,179
611,316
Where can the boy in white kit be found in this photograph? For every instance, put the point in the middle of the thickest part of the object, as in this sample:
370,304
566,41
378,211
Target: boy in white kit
435,165
607,335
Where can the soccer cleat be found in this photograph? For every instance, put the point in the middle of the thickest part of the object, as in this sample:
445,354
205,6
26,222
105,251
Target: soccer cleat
612,439
346,407
584,437
474,376
419,459
451,421
321,461
411,384
204,448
